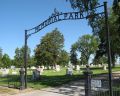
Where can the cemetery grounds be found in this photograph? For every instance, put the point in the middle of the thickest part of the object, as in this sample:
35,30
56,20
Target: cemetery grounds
49,78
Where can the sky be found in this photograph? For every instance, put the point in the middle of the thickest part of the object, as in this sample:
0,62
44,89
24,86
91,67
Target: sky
19,15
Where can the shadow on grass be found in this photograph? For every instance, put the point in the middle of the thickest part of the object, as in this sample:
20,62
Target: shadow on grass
53,81
10,81
70,88
45,81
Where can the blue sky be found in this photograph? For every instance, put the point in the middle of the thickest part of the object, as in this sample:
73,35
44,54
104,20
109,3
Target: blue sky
18,15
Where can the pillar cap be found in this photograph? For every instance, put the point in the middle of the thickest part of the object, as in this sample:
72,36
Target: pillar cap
87,70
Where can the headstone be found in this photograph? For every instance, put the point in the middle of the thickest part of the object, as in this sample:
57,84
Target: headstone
45,67
33,68
5,72
99,65
91,65
49,67
14,72
69,70
73,67
104,67
77,67
57,68
41,69
36,74
12,67
84,65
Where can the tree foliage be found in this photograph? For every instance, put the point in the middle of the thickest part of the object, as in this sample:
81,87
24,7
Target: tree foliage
87,45
73,55
101,60
48,51
1,54
6,61
19,57
114,37
63,58
98,25
84,5
116,7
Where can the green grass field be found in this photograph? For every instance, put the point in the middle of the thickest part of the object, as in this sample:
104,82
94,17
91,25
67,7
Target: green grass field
50,78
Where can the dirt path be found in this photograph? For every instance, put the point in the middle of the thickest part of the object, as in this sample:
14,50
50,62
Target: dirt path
72,89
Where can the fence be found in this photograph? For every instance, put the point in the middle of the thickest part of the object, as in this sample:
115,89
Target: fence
103,90
14,81
11,78
99,85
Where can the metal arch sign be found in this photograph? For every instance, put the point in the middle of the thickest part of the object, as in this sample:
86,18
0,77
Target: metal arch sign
59,16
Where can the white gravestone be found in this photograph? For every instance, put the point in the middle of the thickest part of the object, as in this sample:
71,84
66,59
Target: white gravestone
33,68
41,69
49,67
91,65
104,67
99,65
5,72
57,68
14,73
77,67
69,70
45,67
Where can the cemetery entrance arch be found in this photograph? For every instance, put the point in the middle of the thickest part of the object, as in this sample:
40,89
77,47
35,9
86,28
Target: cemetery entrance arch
59,16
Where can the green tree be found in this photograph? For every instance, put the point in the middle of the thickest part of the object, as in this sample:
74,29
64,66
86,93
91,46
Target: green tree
63,58
114,37
101,60
84,5
87,45
6,61
83,60
73,55
1,57
19,57
0,53
31,61
48,51
116,7
98,25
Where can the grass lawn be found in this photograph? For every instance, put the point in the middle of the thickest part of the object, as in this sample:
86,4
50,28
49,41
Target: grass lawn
51,78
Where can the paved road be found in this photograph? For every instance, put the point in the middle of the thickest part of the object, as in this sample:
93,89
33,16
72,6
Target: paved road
72,89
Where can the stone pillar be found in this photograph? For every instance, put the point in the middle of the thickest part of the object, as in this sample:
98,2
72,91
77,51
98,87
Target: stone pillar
22,78
87,74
